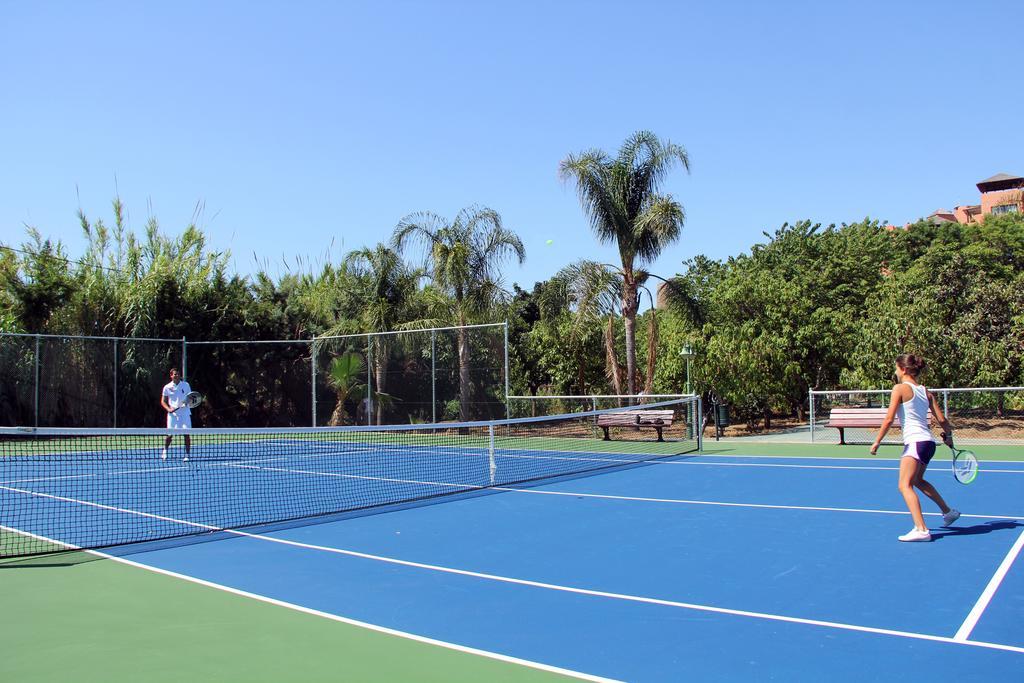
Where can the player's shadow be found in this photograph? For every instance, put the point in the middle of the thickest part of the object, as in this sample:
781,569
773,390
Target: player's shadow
984,528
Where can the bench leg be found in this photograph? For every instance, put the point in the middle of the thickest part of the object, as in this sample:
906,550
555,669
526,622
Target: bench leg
606,437
659,434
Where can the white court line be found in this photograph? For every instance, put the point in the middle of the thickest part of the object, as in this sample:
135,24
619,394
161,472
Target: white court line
573,494
964,632
534,491
341,475
684,501
829,457
561,588
570,494
402,450
333,617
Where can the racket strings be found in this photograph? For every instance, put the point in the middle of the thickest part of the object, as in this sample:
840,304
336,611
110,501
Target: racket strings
965,466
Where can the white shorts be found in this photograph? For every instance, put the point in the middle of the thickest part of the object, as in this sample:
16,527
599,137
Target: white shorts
181,419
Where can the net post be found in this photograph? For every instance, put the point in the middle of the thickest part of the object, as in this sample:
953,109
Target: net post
115,383
492,465
810,404
507,413
36,397
312,366
433,375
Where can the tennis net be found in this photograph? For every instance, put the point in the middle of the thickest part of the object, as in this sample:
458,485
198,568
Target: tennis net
92,488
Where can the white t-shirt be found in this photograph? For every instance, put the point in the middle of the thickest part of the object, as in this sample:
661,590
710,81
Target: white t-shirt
175,395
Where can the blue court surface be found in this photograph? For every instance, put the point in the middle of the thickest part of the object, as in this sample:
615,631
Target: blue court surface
697,567
694,568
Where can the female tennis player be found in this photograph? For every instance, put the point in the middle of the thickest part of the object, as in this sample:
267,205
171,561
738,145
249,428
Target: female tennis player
179,415
911,401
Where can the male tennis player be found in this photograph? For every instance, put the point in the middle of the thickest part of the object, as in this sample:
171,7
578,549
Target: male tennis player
179,415
911,401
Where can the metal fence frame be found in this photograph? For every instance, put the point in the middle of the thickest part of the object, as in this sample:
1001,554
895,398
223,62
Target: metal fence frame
40,337
696,421
945,391
433,358
185,343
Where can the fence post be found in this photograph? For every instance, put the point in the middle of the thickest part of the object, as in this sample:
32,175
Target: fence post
184,359
507,414
369,383
810,401
433,375
312,365
36,399
115,383
945,403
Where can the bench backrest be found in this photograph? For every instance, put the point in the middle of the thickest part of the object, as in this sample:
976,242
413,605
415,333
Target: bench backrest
858,412
632,416
872,414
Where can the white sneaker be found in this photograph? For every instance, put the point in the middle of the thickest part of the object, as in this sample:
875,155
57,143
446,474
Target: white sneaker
950,517
915,535
185,459
163,454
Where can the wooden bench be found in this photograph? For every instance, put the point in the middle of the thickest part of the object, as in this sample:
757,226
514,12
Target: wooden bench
655,419
870,418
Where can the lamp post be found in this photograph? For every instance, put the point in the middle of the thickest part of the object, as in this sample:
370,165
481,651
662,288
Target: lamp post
687,353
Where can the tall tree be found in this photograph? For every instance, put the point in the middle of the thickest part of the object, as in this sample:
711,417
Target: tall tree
463,259
621,197
387,288
593,293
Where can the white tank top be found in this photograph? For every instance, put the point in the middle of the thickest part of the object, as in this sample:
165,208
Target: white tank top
914,416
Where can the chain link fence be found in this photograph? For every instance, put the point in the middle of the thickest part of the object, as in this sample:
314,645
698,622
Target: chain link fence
984,415
72,381
543,406
402,377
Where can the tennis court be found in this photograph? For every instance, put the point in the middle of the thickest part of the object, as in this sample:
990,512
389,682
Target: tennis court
498,553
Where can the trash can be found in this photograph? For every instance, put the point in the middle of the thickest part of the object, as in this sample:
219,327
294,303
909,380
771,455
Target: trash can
722,415
721,419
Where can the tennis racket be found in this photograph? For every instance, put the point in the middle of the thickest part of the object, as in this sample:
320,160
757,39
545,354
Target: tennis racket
192,399
965,465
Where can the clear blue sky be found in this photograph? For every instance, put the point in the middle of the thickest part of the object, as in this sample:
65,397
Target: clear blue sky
304,124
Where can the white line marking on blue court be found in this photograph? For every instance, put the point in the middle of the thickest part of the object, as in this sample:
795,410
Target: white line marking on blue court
683,501
964,632
327,615
555,587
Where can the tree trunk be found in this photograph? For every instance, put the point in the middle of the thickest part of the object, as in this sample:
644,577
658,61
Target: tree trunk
629,306
652,351
339,416
612,367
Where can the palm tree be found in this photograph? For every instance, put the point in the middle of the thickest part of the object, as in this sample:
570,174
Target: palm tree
463,259
593,291
620,196
344,377
388,289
